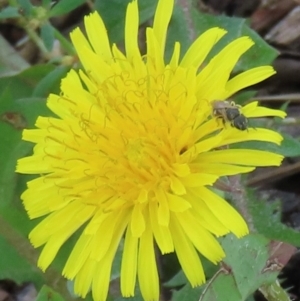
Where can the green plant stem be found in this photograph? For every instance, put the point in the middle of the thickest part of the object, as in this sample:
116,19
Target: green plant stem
36,39
67,46
23,247
23,22
239,198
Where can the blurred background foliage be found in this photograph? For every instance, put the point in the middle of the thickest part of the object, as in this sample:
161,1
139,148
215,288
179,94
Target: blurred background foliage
35,54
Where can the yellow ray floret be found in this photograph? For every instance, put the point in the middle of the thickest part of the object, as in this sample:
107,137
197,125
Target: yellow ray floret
132,154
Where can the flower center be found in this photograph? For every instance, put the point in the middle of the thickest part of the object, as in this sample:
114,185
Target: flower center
143,141
135,151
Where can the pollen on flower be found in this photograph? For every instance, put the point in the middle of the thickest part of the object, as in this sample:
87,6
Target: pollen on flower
133,152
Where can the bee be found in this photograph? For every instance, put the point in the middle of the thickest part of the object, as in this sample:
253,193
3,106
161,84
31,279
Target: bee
230,112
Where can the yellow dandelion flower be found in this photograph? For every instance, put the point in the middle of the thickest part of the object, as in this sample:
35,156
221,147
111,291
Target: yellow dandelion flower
133,151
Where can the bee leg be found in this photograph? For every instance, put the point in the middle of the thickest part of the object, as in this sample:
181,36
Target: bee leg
218,118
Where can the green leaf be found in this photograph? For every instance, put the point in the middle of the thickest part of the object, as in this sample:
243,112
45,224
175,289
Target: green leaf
290,147
180,279
116,266
188,293
178,31
46,3
267,221
47,35
12,184
13,119
239,278
113,13
249,270
137,296
259,54
26,7
243,96
14,266
48,294
64,43
244,272
51,82
245,269
15,115
9,12
222,288
23,84
274,292
65,6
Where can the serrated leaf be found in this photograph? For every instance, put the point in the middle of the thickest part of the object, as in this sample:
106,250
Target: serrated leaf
9,12
267,221
48,294
243,273
259,54
113,13
244,270
65,6
47,35
252,253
